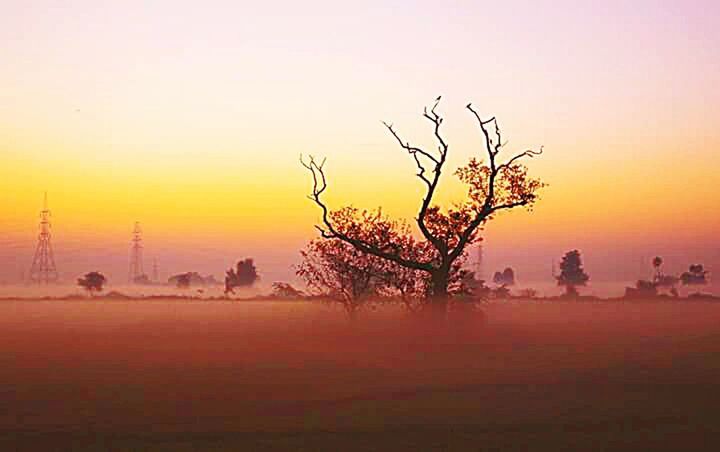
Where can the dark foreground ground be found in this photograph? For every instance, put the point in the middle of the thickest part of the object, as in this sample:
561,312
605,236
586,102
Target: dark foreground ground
207,376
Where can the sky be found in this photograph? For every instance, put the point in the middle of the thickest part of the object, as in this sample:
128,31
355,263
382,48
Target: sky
189,117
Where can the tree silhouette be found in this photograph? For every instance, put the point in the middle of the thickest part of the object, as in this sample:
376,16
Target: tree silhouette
343,273
505,278
92,282
492,187
286,290
498,278
696,275
244,274
657,263
643,289
183,280
661,280
572,274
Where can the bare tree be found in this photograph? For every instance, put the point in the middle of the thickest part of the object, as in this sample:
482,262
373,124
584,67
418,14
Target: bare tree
492,187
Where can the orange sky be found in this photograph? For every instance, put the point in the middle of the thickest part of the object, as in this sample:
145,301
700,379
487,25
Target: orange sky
190,120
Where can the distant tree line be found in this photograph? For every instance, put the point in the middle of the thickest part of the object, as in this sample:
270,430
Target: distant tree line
662,282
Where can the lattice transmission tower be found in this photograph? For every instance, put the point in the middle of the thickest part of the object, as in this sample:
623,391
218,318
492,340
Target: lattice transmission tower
43,270
136,260
478,264
155,275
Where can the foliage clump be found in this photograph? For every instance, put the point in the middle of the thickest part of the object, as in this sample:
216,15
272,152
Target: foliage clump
243,275
92,282
572,273
696,275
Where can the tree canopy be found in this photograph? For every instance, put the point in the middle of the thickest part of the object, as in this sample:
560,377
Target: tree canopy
243,275
92,282
696,275
492,187
572,273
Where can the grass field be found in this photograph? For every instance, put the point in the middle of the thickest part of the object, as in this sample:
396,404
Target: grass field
198,375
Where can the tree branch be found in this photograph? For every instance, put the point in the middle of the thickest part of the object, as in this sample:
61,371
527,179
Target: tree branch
529,153
431,185
319,186
486,210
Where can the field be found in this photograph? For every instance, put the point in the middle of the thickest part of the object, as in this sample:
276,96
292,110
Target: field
256,376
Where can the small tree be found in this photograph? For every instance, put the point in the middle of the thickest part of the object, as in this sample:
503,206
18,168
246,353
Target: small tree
572,273
344,275
509,276
661,280
474,287
643,290
183,280
92,282
500,293
696,275
243,275
505,278
498,278
657,263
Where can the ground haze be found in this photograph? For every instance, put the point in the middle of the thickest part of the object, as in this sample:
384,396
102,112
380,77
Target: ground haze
218,375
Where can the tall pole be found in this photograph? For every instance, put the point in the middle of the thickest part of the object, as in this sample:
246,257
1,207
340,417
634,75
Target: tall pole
43,270
136,265
479,263
155,271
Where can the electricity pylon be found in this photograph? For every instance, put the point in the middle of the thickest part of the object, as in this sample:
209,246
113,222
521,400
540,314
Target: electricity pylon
136,264
43,270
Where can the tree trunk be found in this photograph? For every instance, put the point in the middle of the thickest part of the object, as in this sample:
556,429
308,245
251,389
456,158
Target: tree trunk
571,291
438,297
352,312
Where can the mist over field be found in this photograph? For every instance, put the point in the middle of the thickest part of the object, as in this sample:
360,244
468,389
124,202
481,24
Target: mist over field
544,288
218,375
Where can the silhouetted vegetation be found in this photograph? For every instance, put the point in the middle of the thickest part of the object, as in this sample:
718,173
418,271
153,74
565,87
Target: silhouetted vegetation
243,275
661,280
528,293
341,273
696,275
92,282
492,187
643,290
572,273
471,286
336,269
500,293
505,277
183,280
285,290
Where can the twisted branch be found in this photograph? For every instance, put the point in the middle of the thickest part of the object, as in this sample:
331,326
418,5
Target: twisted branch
330,232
